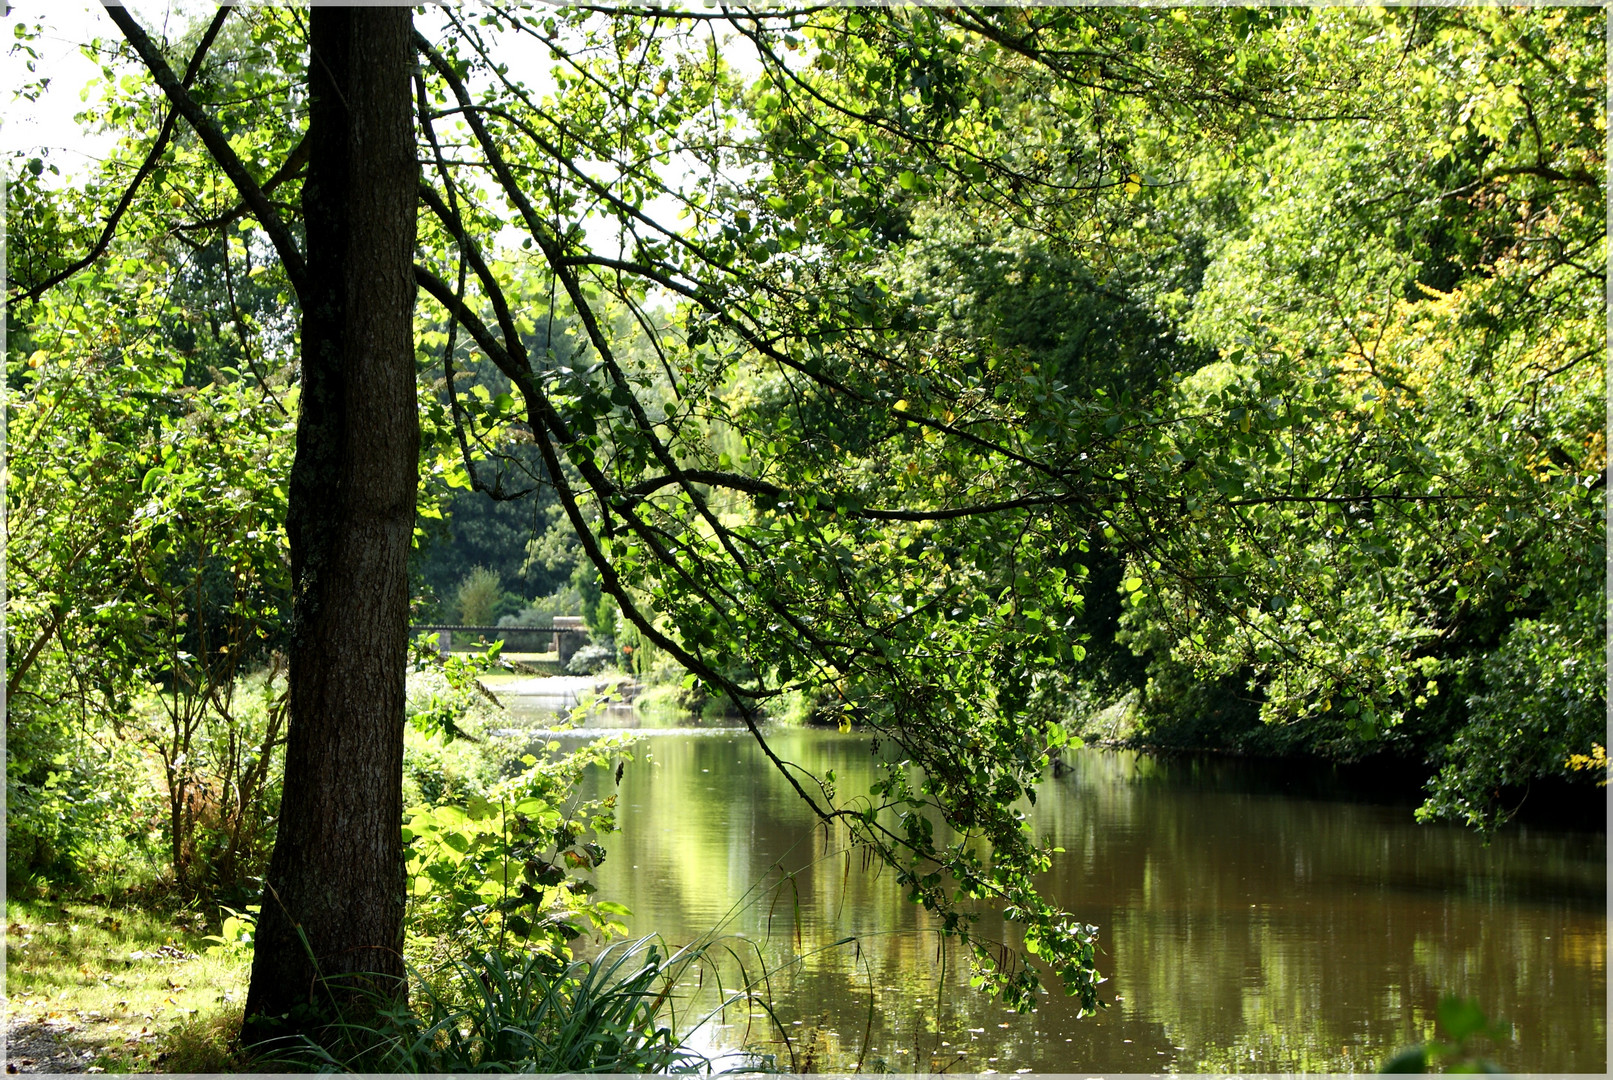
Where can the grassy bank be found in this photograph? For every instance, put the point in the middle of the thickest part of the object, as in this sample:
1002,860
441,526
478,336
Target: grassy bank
135,988
107,988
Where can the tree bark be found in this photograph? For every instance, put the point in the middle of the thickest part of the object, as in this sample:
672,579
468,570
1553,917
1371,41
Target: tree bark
332,915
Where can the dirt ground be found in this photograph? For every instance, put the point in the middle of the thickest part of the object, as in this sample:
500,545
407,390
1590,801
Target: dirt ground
43,1048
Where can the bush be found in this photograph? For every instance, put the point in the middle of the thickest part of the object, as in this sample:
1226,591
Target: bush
592,658
1543,701
503,866
80,804
447,753
121,789
434,770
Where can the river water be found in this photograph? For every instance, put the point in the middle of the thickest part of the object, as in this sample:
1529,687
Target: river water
1241,929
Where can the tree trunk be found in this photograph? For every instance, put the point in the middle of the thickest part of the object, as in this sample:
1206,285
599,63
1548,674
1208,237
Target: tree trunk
332,916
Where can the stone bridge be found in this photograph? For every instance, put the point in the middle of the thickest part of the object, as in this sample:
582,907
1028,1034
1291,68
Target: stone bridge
565,636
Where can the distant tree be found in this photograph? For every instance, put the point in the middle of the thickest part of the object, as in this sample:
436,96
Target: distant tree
478,595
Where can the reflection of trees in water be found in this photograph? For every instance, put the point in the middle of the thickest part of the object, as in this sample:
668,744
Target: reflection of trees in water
1305,931
708,823
1239,930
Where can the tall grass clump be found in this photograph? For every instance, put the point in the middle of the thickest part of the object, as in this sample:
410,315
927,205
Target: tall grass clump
523,1013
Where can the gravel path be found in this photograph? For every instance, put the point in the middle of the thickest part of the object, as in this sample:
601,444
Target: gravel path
42,1048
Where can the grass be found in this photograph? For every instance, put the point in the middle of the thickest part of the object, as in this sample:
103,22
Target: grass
137,989
132,985
524,1012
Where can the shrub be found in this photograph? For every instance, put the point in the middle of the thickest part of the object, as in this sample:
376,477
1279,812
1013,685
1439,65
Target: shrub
592,658
478,595
504,864
110,790
1543,700
80,804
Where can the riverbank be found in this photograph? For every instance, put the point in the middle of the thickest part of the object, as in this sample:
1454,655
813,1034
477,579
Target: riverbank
1234,864
1384,780
1548,802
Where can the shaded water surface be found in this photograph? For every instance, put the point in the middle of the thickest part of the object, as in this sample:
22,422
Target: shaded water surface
1240,930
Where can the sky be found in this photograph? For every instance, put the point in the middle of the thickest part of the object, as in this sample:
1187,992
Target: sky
46,127
48,123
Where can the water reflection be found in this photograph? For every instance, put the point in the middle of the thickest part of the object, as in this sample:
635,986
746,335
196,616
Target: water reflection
1242,930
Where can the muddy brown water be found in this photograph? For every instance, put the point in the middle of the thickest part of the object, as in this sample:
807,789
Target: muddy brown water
1241,929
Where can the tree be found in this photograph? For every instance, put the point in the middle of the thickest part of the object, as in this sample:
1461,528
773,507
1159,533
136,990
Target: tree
149,439
146,506
334,898
335,883
1396,458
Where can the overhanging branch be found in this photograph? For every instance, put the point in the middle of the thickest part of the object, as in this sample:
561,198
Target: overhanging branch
145,170
218,147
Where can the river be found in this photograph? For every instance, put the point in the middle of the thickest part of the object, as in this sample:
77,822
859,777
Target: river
1242,929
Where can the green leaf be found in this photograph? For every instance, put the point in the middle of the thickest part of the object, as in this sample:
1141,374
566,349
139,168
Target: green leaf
1413,1059
1460,1018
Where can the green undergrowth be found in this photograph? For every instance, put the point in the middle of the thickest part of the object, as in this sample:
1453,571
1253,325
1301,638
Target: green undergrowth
128,990
662,705
671,705
135,986
527,1011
